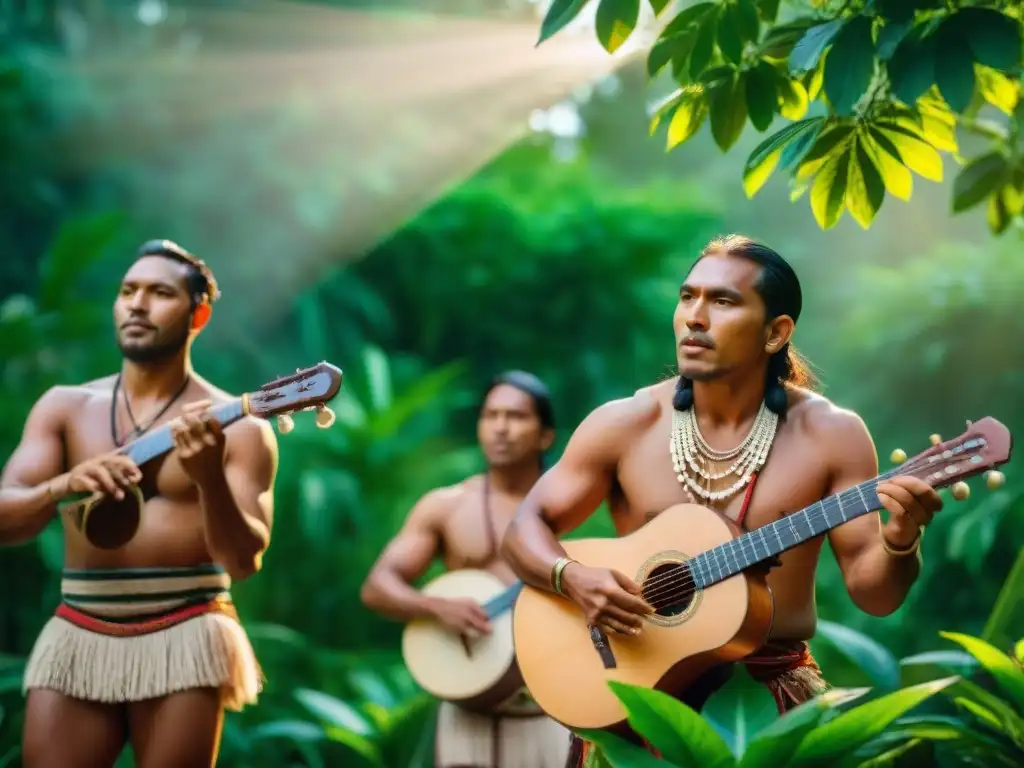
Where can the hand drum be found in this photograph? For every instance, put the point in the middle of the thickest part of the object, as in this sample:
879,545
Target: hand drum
106,522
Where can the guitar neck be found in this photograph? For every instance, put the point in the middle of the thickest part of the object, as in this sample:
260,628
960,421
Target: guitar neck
159,441
502,602
766,542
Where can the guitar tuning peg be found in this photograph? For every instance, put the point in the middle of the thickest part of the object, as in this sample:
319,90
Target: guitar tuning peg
898,456
960,491
995,479
936,439
285,423
324,416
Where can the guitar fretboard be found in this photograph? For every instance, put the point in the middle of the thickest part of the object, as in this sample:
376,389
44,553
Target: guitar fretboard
159,441
762,543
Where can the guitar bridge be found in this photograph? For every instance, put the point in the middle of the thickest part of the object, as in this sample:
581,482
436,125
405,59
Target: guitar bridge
604,650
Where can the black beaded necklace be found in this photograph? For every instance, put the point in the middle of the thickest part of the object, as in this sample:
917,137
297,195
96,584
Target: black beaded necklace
139,431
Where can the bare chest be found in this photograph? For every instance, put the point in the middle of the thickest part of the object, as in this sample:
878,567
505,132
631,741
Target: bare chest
472,533
793,477
90,435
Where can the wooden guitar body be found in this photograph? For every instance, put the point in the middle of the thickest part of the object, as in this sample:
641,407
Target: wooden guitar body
475,673
563,663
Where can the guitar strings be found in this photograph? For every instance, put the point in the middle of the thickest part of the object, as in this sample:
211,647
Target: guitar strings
819,511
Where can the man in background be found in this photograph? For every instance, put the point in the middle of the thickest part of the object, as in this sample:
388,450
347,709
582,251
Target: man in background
463,525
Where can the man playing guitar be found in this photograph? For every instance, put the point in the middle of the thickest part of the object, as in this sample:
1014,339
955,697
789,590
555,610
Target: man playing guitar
740,413
145,646
463,524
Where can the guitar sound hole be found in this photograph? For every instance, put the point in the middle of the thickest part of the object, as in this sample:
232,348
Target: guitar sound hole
669,589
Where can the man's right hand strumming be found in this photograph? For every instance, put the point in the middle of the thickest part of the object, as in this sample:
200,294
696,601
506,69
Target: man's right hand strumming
111,474
608,598
461,615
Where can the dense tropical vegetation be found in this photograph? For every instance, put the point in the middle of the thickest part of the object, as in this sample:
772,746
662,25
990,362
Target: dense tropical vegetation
562,262
873,92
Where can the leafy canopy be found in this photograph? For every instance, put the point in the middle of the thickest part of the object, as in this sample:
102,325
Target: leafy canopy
874,91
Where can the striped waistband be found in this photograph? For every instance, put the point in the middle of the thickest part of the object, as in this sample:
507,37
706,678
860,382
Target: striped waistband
130,593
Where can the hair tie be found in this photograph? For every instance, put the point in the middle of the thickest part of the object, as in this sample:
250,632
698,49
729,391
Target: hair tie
682,400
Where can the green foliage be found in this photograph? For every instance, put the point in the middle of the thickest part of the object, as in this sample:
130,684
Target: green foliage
817,731
984,725
886,85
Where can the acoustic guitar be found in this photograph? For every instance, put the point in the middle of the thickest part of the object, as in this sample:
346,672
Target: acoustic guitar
109,524
695,569
475,673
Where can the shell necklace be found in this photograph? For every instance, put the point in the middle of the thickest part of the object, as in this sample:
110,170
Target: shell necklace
692,456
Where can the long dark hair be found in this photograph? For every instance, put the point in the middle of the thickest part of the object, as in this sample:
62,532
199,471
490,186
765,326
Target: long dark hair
779,288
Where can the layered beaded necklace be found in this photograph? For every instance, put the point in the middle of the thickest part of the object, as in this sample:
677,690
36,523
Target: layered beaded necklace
692,456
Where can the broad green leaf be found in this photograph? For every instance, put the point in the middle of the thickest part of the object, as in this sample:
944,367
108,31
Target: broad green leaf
676,731
873,658
978,179
997,214
728,35
865,193
728,108
859,725
1007,675
793,100
765,157
762,98
890,36
954,67
938,123
615,21
666,109
897,179
849,65
775,744
832,141
911,68
619,753
936,727
704,46
829,189
994,38
717,75
916,154
688,118
658,6
954,661
675,49
984,714
744,16
795,151
997,89
559,14
768,9
333,712
812,45
780,39
685,18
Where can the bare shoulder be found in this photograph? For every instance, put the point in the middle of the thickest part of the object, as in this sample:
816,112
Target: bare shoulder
840,431
60,401
435,505
628,414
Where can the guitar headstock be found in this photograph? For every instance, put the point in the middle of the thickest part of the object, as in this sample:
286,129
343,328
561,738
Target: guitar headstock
306,389
985,445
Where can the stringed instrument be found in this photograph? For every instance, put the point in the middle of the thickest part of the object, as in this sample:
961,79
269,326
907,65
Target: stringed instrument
109,524
694,567
475,673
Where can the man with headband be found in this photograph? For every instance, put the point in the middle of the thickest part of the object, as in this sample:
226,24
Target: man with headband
146,647
463,526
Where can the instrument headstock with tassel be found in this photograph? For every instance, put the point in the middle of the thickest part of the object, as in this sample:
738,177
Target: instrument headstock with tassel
984,445
307,389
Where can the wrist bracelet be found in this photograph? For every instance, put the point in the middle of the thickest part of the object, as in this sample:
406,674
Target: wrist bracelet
912,549
556,573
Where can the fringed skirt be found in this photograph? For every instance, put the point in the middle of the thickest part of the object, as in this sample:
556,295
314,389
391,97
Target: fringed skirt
518,735
128,635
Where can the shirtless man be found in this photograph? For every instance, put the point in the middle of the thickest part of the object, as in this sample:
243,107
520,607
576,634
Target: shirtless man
151,656
463,524
736,314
